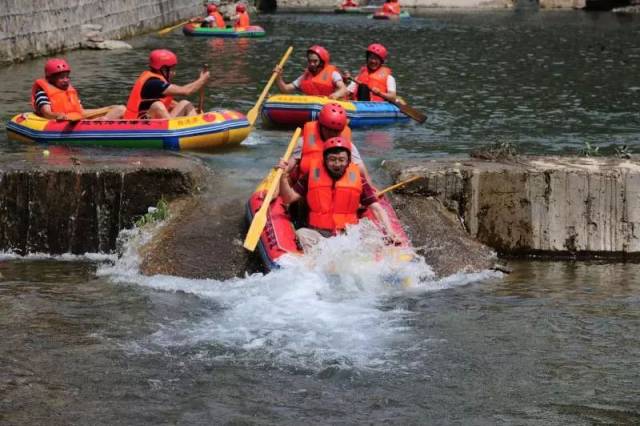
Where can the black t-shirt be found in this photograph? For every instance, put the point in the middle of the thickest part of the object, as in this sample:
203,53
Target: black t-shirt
151,92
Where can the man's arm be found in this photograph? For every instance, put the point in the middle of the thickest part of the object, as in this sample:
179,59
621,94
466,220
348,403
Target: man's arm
381,214
288,194
341,90
187,89
282,86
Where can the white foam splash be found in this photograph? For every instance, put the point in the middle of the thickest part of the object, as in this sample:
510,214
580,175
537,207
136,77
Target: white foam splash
344,304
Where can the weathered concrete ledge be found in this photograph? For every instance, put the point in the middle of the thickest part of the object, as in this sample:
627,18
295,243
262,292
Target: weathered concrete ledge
66,202
538,205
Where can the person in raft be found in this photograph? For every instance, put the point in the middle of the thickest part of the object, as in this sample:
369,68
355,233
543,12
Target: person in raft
332,122
334,190
241,17
213,19
152,93
319,79
54,97
374,81
348,3
391,7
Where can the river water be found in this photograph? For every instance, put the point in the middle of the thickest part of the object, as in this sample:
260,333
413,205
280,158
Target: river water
88,340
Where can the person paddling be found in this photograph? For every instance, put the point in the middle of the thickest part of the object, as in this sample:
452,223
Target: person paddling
375,81
331,122
152,94
390,7
348,3
54,97
334,190
242,17
319,79
213,19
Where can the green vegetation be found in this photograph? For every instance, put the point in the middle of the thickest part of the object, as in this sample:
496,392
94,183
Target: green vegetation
589,150
155,214
498,150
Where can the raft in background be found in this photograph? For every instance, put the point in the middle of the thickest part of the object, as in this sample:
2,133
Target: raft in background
381,15
279,235
357,9
193,29
295,110
202,132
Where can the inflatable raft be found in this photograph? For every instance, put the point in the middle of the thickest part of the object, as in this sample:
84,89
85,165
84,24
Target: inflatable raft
279,235
194,29
357,9
381,15
295,110
202,132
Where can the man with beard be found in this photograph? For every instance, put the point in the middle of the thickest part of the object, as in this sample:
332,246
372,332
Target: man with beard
152,94
54,97
334,190
319,79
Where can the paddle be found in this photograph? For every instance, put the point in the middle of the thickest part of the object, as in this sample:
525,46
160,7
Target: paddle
252,115
169,29
260,219
201,101
406,109
93,114
397,185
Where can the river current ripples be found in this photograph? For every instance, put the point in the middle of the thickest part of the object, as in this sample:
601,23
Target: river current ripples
89,340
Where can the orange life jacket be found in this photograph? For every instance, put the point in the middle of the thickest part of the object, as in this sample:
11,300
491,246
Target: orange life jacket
135,98
312,144
320,84
219,20
390,8
333,204
377,79
63,101
243,20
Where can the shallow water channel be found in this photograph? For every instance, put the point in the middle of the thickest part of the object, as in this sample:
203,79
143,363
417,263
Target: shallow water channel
88,340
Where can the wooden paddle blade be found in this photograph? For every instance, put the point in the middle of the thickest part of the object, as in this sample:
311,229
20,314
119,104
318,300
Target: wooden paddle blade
252,115
260,219
255,230
412,112
169,29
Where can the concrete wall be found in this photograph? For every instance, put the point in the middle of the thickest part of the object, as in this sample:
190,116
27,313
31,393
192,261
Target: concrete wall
468,4
35,28
554,205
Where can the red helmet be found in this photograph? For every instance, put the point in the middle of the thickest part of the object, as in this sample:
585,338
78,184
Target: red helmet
55,66
241,7
333,116
162,58
337,142
322,53
378,50
211,8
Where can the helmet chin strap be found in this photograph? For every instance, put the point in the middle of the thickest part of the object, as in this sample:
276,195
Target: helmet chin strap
166,73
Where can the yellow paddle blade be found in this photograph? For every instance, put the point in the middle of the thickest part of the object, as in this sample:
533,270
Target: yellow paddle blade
397,185
252,115
169,29
260,219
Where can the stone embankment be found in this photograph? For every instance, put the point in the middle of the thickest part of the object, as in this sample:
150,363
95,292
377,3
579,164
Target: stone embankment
59,201
538,205
35,28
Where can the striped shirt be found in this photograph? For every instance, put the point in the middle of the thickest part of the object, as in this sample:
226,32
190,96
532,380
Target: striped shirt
41,99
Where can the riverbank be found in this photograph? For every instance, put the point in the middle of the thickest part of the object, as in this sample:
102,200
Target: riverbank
30,29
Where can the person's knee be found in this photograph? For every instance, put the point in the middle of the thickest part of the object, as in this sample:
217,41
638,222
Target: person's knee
158,110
